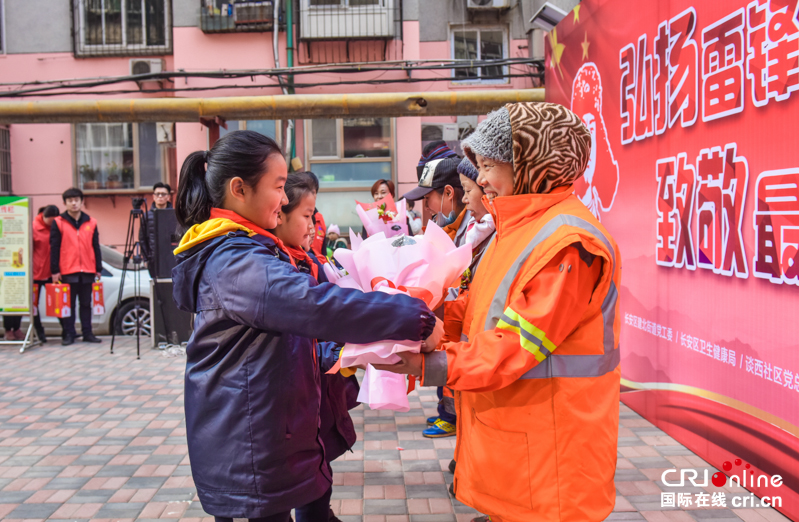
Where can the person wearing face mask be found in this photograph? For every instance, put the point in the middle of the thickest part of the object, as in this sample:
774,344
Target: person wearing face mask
440,188
537,370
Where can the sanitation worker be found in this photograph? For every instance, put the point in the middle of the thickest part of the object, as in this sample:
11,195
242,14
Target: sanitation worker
536,372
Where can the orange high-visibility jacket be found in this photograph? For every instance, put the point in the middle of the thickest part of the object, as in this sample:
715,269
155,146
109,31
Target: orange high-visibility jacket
537,371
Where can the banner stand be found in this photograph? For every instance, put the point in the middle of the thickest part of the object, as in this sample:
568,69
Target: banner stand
16,265
31,339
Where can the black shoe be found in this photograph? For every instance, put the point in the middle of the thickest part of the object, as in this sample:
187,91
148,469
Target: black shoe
91,338
452,489
67,340
332,517
41,336
452,466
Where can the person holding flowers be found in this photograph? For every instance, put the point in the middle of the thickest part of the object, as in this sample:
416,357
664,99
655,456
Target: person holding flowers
537,370
252,383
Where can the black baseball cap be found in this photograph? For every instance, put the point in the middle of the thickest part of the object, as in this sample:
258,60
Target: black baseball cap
436,174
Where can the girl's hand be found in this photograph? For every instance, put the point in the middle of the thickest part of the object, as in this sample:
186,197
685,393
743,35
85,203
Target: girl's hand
429,344
411,364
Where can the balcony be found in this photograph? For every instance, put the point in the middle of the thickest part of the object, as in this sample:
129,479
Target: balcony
348,31
238,16
340,19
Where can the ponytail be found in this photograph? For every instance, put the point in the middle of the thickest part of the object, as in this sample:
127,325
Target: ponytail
193,203
204,175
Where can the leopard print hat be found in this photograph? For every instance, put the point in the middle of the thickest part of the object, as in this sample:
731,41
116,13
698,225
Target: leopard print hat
550,145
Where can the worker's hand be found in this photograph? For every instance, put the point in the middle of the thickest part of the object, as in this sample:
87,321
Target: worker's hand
429,344
56,278
98,276
411,364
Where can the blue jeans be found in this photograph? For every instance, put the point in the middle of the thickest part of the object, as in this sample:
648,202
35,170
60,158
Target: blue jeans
443,414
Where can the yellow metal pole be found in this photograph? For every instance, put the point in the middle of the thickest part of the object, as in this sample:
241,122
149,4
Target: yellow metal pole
447,103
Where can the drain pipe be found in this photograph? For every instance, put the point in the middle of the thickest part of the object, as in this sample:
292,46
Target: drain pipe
290,57
289,142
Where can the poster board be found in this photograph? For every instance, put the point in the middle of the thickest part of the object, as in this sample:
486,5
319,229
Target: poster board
692,107
16,257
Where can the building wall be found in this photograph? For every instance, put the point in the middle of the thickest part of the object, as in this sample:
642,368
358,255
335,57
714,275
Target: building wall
27,31
39,47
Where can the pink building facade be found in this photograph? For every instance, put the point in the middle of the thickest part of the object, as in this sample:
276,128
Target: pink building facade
86,40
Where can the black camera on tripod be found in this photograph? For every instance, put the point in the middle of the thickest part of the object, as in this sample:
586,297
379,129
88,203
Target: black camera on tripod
137,202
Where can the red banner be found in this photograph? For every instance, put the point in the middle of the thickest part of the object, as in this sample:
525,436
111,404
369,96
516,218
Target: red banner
693,109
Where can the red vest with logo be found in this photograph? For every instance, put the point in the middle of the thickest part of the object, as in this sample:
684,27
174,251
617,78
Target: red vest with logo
77,251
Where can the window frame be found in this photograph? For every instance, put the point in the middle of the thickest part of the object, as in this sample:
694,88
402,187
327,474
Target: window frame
137,188
454,28
243,126
310,159
82,49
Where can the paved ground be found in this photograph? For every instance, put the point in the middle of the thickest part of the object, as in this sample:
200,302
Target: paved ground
85,435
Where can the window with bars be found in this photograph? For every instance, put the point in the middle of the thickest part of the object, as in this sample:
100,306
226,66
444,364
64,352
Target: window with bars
483,44
5,161
239,16
121,156
122,27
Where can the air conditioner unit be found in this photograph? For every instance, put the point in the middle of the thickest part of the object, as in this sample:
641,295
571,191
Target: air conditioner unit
253,12
488,4
145,66
439,131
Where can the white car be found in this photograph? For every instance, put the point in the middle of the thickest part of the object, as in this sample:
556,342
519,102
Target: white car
122,317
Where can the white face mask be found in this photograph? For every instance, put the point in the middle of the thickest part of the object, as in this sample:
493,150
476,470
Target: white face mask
442,220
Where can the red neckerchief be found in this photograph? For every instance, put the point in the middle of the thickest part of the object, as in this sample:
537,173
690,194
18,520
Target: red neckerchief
232,216
298,254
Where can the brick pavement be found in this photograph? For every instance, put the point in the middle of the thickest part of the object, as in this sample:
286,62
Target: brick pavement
89,436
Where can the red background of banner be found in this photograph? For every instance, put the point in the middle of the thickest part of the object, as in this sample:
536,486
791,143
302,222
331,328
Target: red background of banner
719,410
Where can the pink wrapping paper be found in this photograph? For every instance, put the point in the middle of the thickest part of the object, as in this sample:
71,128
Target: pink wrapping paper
423,266
374,225
383,390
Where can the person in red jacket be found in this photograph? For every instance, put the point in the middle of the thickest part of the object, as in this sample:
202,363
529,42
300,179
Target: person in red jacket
41,259
75,259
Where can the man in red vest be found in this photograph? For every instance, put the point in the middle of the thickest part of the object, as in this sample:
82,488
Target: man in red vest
75,259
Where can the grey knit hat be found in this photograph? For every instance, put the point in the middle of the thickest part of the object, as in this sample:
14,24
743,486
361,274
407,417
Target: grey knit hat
491,139
466,168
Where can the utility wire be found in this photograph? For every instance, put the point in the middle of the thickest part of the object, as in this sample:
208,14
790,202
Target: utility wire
20,94
40,88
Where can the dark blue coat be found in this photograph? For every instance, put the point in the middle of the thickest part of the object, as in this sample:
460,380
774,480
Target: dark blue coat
252,379
339,393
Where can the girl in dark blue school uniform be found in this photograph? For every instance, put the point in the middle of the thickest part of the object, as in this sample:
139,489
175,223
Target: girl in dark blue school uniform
252,384
339,394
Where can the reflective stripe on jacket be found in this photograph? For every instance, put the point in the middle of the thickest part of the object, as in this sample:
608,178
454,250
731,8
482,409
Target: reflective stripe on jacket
77,248
538,376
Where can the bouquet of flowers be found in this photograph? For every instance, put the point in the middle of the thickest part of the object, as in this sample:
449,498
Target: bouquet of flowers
384,216
420,266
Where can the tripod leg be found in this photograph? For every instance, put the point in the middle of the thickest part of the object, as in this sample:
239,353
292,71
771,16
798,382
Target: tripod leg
128,251
137,279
